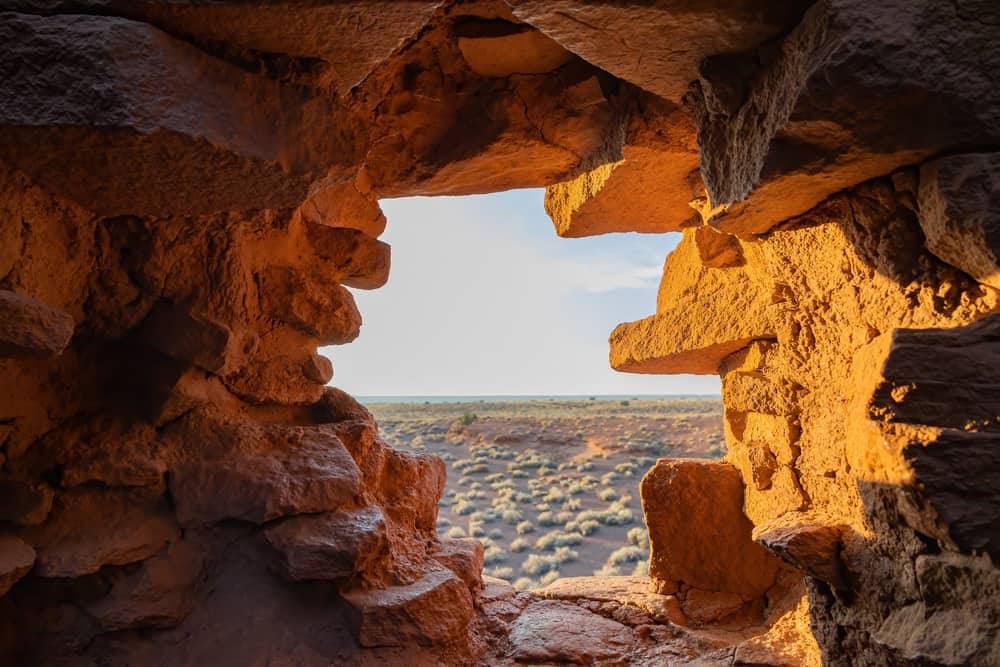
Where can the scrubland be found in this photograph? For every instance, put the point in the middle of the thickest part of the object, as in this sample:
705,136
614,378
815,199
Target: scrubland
550,487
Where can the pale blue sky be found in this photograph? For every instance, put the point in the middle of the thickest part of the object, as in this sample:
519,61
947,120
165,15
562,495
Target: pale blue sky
484,299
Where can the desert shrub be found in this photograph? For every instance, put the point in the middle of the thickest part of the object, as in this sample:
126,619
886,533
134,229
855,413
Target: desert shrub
495,477
463,508
461,464
495,533
608,495
524,583
518,474
519,545
548,577
501,572
608,571
447,457
638,537
626,554
476,529
455,532
525,527
625,468
563,517
476,469
641,569
609,478
557,538
469,418
555,495
522,497
477,494
546,519
571,505
536,565
493,554
624,404
585,466
511,517
464,481
565,555
589,527
443,522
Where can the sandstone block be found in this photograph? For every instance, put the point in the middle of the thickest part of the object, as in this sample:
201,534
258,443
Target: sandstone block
521,52
92,527
703,607
808,543
16,559
24,503
431,611
464,557
332,545
179,332
626,591
642,181
325,311
348,256
258,473
687,335
177,131
411,485
959,211
824,115
30,328
160,594
718,250
649,57
345,205
557,631
698,534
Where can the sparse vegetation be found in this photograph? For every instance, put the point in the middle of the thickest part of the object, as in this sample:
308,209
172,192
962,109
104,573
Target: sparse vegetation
548,486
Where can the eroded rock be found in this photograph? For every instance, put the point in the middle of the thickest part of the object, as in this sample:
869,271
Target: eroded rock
30,328
330,546
433,610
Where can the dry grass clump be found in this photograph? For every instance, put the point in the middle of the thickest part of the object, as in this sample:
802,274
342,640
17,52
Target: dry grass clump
525,527
546,519
607,495
455,532
511,517
520,545
627,554
536,565
500,572
558,538
638,537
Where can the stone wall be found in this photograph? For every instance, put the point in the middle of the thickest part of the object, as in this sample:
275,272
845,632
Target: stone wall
188,190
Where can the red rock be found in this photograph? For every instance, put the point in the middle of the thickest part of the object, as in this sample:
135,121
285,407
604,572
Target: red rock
556,631
464,557
258,473
959,211
825,115
330,546
93,527
16,559
178,332
325,311
703,607
24,503
431,611
522,52
411,485
808,544
30,328
698,534
626,591
160,594
348,256
648,57
178,132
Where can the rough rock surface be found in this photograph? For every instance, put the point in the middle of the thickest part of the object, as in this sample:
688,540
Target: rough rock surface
189,189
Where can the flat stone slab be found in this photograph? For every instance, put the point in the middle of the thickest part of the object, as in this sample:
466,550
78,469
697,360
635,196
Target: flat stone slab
558,631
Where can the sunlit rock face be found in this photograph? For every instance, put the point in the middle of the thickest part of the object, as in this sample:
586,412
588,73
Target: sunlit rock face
188,190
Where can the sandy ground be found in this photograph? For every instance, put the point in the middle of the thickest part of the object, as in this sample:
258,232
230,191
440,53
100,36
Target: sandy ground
551,487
